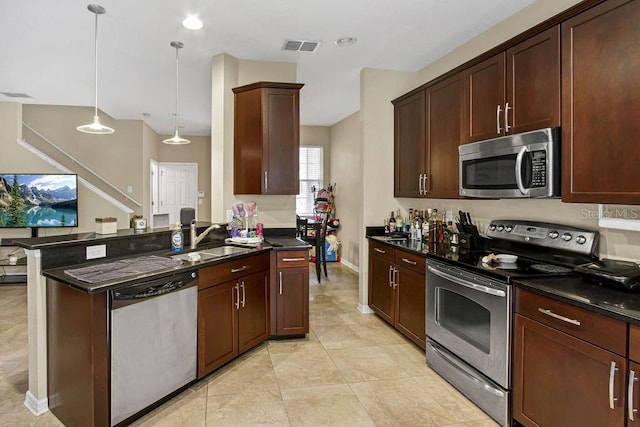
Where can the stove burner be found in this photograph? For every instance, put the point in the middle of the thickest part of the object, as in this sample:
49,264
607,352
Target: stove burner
550,268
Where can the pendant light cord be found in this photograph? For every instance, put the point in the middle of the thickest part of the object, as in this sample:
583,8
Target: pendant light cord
95,49
176,114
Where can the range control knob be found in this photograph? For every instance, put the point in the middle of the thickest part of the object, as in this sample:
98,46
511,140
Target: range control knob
492,227
508,229
566,237
554,234
501,228
581,240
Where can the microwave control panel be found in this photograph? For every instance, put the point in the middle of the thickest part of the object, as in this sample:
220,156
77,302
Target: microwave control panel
539,168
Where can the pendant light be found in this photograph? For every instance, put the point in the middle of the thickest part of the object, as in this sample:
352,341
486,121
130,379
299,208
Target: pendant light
176,139
96,127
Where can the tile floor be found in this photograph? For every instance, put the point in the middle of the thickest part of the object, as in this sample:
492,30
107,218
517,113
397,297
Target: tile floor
351,370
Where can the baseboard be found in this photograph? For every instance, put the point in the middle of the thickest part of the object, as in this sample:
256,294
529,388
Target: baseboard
35,406
365,309
351,266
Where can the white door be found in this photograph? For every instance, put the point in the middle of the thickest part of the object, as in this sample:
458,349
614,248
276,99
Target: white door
155,204
178,184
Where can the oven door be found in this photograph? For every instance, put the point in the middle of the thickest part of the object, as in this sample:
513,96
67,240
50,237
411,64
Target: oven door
470,315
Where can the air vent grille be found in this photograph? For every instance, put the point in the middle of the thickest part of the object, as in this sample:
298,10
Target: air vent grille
301,45
15,95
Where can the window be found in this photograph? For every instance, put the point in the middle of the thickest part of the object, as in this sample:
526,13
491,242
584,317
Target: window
311,167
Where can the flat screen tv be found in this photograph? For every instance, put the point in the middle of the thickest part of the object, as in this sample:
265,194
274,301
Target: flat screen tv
38,200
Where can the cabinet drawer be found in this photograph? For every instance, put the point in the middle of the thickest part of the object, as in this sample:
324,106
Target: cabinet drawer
595,328
634,343
411,261
290,259
381,250
231,270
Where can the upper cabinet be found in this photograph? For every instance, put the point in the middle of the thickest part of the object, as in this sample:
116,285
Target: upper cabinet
266,138
600,104
516,90
427,135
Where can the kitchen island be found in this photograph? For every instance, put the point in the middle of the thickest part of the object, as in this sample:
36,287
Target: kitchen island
50,257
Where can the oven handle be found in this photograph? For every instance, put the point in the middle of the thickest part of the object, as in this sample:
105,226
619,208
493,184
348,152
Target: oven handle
466,372
519,158
468,284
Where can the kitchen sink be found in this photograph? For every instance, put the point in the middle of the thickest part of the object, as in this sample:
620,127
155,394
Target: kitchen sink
211,253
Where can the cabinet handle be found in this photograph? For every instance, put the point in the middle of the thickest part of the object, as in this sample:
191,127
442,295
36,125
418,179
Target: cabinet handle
379,250
498,128
559,317
632,381
408,261
237,270
237,296
266,181
424,186
244,294
506,117
281,283
612,380
292,259
391,276
395,278
420,184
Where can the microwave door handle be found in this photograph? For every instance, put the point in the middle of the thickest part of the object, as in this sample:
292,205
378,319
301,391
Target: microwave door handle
518,170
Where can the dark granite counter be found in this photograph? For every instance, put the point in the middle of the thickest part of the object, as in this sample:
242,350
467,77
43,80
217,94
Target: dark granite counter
612,302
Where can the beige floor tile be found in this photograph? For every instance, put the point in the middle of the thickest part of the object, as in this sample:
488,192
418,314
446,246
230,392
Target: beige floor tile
459,408
246,409
343,336
248,375
308,344
48,420
400,402
412,358
334,405
13,388
305,369
366,364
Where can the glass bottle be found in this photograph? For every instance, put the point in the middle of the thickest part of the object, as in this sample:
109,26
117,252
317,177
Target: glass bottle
392,223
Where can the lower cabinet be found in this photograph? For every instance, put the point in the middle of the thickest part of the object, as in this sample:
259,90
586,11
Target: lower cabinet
397,289
570,365
290,293
233,316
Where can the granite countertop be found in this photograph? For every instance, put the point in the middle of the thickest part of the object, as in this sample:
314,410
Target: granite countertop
617,303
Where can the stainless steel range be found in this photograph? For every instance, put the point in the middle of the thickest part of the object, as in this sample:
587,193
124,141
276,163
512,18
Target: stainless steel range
470,309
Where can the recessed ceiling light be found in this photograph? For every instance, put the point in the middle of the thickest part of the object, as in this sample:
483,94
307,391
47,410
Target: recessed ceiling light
346,41
192,23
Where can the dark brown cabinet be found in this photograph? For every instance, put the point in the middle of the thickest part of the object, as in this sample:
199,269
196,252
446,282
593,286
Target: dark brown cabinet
427,134
515,91
290,293
397,289
233,310
600,104
570,365
266,138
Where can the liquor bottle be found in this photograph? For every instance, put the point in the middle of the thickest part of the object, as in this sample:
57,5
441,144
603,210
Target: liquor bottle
386,226
392,223
399,223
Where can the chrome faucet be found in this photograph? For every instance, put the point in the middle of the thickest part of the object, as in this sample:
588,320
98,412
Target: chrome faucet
195,238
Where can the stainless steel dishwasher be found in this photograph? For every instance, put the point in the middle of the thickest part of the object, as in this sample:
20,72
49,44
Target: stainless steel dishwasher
153,342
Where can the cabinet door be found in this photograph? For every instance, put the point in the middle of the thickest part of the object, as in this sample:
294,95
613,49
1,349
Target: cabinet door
409,146
633,397
253,312
600,104
293,301
444,135
411,305
533,83
280,153
381,291
486,95
217,327
559,380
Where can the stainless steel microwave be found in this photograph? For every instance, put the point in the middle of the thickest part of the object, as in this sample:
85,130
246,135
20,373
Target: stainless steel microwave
525,165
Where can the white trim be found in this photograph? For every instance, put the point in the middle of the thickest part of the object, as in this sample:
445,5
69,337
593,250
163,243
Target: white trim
35,406
350,265
365,309
617,223
81,180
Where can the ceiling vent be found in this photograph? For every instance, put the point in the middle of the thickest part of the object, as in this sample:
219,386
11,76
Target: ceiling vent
301,45
15,95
